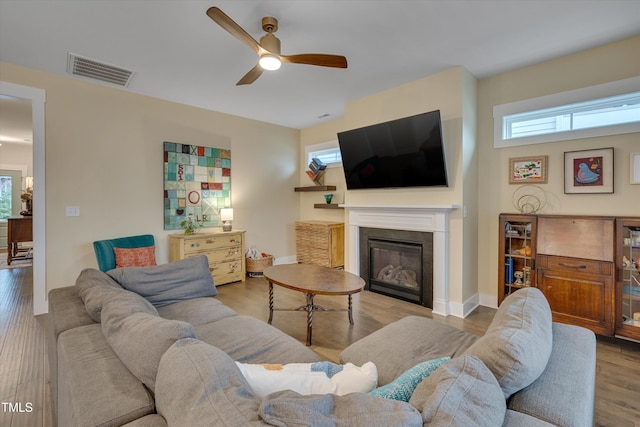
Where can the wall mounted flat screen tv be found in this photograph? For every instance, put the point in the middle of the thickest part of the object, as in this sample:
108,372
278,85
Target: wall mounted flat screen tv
407,152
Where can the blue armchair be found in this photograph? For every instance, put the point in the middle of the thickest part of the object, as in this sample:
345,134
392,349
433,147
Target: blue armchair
104,248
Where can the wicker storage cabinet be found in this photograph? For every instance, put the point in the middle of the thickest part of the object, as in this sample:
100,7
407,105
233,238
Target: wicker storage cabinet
225,251
320,243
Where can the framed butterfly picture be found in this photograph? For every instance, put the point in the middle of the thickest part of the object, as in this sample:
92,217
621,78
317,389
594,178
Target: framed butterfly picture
588,171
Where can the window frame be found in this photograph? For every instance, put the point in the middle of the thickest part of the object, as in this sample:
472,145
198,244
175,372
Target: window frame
605,90
309,151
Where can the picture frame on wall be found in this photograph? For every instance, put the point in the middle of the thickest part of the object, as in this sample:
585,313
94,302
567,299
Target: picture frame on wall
588,171
634,168
528,170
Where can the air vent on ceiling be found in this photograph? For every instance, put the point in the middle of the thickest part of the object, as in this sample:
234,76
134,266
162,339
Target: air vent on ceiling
93,69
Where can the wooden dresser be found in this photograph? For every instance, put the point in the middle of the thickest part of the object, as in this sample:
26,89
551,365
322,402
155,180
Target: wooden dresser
19,230
320,243
225,251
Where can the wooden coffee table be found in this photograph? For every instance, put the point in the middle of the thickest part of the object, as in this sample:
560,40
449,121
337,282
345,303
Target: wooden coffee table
312,280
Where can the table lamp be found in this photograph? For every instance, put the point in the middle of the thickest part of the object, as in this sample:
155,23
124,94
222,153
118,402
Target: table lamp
226,216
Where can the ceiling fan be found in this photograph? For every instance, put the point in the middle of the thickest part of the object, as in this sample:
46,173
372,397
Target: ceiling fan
268,50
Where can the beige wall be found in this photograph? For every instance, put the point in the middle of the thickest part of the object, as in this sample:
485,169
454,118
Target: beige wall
483,187
609,63
453,92
104,154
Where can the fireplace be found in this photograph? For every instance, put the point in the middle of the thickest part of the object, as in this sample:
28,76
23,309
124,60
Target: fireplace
423,218
398,264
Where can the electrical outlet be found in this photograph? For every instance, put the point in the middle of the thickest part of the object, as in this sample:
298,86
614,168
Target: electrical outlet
73,210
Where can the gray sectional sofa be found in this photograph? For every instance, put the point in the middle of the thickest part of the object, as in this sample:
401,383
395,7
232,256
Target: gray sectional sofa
152,346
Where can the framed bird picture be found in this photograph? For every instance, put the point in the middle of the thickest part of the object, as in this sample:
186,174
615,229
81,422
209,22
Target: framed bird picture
588,171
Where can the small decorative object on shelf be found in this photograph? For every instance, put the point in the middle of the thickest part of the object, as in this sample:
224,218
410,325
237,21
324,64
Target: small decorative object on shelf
518,275
316,171
327,198
527,275
191,225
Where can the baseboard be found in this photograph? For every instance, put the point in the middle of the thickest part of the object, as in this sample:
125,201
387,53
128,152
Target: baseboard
463,310
487,300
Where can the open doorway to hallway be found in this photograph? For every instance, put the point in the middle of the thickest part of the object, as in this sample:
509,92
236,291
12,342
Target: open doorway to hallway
32,99
16,172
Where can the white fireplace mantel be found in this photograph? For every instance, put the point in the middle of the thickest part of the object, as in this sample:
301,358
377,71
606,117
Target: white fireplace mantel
426,218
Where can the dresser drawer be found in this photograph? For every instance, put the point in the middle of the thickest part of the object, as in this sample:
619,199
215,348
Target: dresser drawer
226,272
224,252
211,243
575,265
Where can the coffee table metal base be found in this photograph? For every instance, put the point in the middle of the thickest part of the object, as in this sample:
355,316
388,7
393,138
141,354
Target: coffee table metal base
310,308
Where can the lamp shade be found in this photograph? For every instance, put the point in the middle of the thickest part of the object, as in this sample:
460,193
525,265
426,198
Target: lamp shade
226,214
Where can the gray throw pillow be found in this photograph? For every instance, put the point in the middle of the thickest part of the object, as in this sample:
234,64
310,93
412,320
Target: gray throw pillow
463,393
517,344
140,338
93,287
168,283
200,385
288,409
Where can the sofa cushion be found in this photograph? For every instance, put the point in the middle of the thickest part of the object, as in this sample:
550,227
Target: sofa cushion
135,257
199,385
402,387
249,340
290,409
416,338
168,283
196,311
552,397
153,420
518,419
94,386
462,392
140,338
93,287
517,344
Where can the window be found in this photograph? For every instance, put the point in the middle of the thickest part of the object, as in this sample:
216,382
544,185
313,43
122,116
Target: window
10,190
569,115
5,196
327,152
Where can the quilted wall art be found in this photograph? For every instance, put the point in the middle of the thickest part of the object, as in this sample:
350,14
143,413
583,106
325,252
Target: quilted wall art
197,181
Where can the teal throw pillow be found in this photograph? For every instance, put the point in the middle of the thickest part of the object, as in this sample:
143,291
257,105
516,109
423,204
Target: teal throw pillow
402,387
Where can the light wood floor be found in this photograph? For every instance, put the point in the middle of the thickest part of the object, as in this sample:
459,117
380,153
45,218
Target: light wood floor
24,370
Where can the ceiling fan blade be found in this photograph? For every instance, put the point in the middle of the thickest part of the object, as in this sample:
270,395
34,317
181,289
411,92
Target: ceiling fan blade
251,76
234,29
320,59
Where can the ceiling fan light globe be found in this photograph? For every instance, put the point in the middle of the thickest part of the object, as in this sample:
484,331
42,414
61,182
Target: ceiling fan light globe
270,62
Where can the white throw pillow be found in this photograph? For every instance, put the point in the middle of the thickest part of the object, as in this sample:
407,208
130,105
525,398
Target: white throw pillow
310,378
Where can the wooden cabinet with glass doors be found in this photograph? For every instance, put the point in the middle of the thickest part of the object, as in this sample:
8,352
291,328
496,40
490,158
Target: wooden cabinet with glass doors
517,253
628,278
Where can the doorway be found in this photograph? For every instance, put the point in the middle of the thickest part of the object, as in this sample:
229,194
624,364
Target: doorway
37,97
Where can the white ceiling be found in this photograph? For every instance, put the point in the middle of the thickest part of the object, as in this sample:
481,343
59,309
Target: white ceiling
181,55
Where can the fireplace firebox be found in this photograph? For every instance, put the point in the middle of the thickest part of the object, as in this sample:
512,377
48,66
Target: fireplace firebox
398,264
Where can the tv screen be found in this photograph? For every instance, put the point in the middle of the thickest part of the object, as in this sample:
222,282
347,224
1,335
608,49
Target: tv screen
407,152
